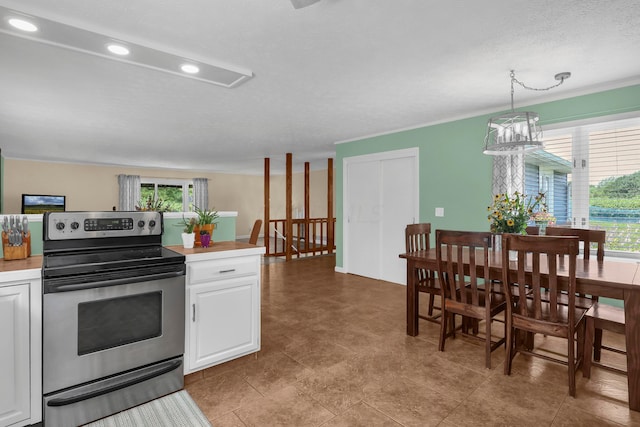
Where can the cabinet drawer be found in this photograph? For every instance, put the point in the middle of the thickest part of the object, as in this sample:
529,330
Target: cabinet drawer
221,269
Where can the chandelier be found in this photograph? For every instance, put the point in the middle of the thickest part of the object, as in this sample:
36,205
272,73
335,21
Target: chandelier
518,131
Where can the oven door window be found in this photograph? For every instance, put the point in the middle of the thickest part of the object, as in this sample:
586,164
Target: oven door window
114,322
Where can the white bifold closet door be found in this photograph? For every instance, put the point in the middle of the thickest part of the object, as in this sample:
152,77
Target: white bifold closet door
380,199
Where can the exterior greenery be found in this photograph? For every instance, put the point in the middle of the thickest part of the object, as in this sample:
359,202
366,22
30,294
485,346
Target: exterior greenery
170,195
621,236
615,207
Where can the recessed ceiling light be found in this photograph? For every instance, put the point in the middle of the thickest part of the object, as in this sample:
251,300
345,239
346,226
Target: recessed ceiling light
190,68
23,25
118,49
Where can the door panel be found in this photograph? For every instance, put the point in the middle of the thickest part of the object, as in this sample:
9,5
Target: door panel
381,198
364,219
398,210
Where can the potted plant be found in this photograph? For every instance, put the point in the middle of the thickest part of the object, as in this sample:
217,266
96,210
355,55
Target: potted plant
188,234
205,238
153,204
206,222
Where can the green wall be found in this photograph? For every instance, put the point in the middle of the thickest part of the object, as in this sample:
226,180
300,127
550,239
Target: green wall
454,174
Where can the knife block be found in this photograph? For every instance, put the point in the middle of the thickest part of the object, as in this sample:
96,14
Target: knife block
16,252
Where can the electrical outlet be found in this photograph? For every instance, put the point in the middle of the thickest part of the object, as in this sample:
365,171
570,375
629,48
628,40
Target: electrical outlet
439,211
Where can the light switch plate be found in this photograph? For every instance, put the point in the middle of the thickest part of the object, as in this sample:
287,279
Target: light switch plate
439,211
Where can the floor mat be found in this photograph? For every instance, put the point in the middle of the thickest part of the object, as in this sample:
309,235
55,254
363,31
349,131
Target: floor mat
174,410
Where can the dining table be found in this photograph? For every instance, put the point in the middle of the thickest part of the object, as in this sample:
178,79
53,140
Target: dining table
616,279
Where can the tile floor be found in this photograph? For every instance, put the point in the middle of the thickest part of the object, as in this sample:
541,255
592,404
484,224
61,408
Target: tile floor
335,353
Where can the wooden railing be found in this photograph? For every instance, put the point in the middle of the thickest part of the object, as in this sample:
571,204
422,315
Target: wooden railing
310,237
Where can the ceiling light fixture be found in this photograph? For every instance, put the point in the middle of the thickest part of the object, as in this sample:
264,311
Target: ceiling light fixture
518,131
121,48
118,49
23,25
190,68
299,4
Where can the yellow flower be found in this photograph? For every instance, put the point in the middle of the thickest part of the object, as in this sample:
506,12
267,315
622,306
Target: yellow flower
510,222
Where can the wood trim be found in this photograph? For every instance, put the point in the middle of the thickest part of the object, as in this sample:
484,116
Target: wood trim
267,206
289,197
330,218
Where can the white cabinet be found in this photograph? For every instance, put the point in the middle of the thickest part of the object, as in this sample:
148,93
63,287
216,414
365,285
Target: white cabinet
20,352
223,308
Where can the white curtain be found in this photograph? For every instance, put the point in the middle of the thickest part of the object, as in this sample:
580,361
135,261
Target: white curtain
508,174
201,193
129,194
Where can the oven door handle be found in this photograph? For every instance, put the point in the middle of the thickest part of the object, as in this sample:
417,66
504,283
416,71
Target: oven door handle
52,288
159,370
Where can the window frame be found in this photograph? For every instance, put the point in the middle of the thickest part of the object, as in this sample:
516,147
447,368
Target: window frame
184,183
580,130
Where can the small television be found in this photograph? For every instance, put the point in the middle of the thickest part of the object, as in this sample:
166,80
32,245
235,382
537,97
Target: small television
41,203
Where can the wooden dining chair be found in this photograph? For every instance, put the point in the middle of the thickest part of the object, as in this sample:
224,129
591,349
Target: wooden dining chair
255,232
536,272
464,292
601,317
532,230
417,238
586,237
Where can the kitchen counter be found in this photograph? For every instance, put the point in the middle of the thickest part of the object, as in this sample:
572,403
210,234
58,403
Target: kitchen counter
222,312
32,266
21,269
218,250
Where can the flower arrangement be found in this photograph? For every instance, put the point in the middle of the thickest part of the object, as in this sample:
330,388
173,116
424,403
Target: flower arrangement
510,214
543,216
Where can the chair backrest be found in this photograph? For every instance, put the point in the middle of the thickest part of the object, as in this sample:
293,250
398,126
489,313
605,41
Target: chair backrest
532,230
539,259
452,246
255,231
586,236
417,237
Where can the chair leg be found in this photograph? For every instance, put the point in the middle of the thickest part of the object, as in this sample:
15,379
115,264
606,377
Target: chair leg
508,346
488,343
431,297
588,348
571,365
597,344
443,329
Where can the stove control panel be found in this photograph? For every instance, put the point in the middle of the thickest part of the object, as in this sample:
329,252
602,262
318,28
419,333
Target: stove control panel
88,225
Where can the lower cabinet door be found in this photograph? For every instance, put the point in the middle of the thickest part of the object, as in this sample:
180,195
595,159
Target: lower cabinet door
14,354
224,321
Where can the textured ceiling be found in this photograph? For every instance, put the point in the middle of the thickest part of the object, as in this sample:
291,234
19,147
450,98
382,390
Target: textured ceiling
334,71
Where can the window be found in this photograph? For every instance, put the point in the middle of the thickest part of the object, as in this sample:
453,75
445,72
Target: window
176,195
591,175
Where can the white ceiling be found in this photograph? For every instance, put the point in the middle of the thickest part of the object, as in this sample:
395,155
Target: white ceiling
334,71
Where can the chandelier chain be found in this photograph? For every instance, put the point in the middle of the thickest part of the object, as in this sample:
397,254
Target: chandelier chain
513,79
560,77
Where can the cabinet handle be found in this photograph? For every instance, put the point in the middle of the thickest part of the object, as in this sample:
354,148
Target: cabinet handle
231,270
194,312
